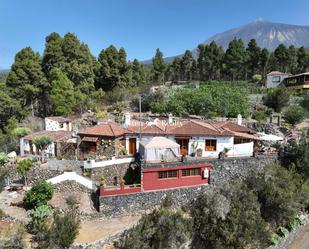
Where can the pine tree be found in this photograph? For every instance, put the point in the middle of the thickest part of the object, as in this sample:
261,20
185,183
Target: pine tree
302,60
264,58
292,62
62,93
139,77
185,65
26,81
282,57
235,59
254,58
158,67
175,69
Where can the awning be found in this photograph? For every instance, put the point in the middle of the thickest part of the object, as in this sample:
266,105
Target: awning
90,139
269,137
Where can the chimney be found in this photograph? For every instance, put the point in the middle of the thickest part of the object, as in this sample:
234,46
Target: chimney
170,118
127,119
239,119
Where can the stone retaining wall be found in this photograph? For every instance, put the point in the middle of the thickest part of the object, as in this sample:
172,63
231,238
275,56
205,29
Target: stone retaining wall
109,172
223,171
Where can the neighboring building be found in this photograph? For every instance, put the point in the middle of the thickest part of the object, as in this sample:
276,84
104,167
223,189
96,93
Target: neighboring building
297,82
58,123
54,150
162,178
275,78
195,137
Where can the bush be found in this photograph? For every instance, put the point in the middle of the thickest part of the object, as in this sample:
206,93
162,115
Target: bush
294,115
38,217
229,218
21,131
259,116
3,158
163,228
40,193
63,229
277,99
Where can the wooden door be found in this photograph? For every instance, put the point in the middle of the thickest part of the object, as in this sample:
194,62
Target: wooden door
184,146
132,146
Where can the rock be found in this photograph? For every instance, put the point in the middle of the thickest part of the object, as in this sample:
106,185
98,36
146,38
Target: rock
12,155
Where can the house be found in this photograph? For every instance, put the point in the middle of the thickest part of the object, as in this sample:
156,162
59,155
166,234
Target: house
195,137
161,178
53,150
275,78
58,123
297,82
100,139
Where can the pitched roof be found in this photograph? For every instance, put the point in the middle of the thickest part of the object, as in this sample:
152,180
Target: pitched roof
60,119
228,125
104,130
55,135
276,73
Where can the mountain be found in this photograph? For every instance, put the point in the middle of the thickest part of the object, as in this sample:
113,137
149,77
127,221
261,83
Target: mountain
267,34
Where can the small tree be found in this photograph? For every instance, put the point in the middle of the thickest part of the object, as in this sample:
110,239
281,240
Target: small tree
21,131
23,167
294,115
40,193
42,142
277,99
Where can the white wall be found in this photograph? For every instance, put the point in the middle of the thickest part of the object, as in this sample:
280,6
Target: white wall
25,148
71,176
52,125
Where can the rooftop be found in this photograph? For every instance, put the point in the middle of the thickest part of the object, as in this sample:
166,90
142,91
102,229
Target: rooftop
55,135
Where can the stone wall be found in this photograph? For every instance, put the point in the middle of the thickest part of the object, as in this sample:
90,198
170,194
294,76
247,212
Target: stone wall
223,171
284,243
109,173
71,186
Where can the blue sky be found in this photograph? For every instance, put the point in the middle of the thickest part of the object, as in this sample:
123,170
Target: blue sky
140,26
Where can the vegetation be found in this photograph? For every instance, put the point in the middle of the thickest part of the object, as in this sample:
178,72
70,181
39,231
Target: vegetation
206,101
40,193
23,166
62,229
277,99
42,142
294,115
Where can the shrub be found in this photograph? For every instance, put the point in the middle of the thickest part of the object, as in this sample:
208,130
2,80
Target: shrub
283,231
38,217
229,218
259,116
163,228
63,229
277,99
294,115
21,131
3,158
3,174
40,193
23,167
275,239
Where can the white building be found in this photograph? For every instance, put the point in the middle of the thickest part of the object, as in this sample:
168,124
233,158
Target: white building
58,123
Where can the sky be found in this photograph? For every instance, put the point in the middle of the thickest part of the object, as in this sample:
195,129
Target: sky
140,26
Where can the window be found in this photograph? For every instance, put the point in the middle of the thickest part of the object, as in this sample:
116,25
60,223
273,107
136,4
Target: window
191,172
238,140
168,174
275,79
210,145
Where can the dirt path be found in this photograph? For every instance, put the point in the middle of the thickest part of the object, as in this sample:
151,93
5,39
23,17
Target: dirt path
93,230
302,239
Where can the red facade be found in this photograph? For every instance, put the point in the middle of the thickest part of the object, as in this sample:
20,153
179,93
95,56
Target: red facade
164,178
175,177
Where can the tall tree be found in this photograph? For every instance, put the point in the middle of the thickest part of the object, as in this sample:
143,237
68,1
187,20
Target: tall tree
139,76
302,60
282,57
26,80
53,56
176,68
264,58
108,75
254,58
158,67
235,59
124,69
62,93
292,61
185,65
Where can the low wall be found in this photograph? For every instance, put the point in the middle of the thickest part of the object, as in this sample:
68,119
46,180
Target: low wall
100,164
71,176
223,171
109,173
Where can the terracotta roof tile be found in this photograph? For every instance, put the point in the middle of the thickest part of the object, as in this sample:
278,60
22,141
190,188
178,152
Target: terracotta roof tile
55,135
104,130
233,127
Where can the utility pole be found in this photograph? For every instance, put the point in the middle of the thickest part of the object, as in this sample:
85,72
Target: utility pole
140,117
